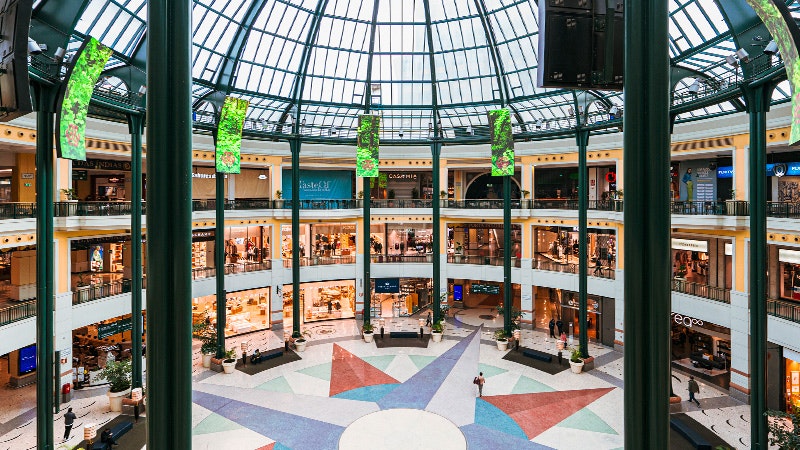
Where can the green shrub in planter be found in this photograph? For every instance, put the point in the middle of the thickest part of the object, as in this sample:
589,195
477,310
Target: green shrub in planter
437,327
500,335
576,356
118,375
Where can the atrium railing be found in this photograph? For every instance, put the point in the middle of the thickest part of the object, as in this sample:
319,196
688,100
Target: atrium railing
702,290
784,310
594,271
721,208
402,203
401,258
18,312
69,209
788,210
564,203
480,260
83,294
321,261
17,210
232,268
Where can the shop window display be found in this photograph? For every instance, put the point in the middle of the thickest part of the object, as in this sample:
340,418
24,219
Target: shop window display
326,240
247,245
246,311
559,245
792,385
322,301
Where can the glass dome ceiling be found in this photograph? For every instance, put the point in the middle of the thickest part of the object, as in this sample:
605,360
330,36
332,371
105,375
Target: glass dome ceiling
409,60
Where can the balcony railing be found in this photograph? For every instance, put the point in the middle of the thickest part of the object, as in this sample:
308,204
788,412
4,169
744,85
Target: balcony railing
83,294
321,261
480,260
232,268
702,290
18,312
17,210
401,258
594,271
784,310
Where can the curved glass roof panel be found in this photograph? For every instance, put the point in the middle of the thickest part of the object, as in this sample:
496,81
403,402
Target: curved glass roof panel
429,61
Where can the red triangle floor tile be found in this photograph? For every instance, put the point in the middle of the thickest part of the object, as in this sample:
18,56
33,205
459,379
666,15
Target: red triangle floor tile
349,372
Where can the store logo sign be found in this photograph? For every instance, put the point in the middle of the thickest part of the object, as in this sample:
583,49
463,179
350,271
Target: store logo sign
688,244
686,320
789,256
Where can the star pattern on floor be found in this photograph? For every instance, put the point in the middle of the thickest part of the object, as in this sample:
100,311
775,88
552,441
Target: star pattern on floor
443,386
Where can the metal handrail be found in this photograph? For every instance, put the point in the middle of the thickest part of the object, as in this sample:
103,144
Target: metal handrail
18,312
97,291
320,261
783,309
702,290
594,271
17,210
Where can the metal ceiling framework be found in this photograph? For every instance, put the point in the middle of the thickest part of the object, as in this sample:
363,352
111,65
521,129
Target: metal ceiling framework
429,62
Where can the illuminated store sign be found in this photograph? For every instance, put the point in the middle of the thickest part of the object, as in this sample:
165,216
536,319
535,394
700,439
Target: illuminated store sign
789,256
686,320
686,244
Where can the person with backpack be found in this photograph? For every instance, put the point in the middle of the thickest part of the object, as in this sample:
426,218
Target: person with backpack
480,381
69,420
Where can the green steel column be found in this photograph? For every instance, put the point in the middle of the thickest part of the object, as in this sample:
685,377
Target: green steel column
169,219
219,262
367,260
135,127
647,225
582,136
294,144
508,300
757,99
436,153
45,265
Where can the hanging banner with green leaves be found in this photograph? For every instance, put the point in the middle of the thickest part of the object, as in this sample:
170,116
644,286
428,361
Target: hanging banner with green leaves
81,77
367,158
502,142
229,135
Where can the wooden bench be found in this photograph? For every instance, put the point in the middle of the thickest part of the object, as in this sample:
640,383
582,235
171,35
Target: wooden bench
689,433
536,354
117,431
403,334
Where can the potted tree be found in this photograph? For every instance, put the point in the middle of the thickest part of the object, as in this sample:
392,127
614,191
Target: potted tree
208,335
443,195
229,361
525,194
437,330
367,329
70,194
784,428
118,375
278,200
576,361
300,344
501,338
458,253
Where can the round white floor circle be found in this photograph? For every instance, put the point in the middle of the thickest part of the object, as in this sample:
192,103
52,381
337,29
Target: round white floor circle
402,429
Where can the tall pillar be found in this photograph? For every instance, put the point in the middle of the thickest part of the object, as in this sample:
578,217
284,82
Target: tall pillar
135,127
647,221
436,153
582,136
294,144
44,97
367,259
757,99
219,262
508,299
169,215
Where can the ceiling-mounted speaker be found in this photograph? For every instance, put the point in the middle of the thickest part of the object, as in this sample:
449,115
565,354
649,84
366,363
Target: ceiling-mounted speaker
581,44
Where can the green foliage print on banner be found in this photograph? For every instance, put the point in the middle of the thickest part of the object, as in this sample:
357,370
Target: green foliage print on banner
502,143
229,135
367,161
776,19
89,63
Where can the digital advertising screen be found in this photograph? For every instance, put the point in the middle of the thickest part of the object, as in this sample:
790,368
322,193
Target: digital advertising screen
81,77
458,292
502,143
776,18
229,135
27,359
367,158
387,285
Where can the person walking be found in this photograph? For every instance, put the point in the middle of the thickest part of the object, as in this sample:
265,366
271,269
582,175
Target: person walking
69,420
552,326
480,381
428,320
694,388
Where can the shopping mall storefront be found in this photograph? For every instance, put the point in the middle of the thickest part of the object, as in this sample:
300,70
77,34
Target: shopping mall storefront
325,300
701,348
559,245
562,308
400,297
321,240
246,311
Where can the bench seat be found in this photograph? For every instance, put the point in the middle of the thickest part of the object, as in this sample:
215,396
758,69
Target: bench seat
536,354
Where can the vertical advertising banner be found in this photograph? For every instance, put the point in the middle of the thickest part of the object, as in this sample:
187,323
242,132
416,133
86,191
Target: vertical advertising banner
81,77
367,147
776,17
502,143
229,135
